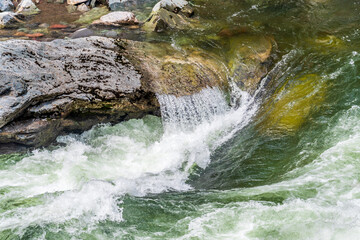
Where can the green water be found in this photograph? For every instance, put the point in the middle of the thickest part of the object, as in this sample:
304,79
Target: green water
287,167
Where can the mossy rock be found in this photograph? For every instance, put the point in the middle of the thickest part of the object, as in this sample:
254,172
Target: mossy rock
288,110
167,70
326,43
248,57
163,20
92,15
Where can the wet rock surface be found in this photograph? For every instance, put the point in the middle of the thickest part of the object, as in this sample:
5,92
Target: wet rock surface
64,86
249,58
167,70
170,14
83,32
52,88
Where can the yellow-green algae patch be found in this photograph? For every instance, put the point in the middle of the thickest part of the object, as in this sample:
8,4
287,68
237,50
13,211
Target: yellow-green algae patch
289,108
93,14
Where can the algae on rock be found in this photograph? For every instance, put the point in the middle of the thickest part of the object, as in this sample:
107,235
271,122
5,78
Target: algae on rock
92,15
167,70
248,57
170,14
289,108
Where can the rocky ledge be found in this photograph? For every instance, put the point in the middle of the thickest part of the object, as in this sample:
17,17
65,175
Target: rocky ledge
53,88
48,88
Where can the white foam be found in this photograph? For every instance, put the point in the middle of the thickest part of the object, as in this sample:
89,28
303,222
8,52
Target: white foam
88,175
332,212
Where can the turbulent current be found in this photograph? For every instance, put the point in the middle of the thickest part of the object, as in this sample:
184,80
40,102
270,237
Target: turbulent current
282,162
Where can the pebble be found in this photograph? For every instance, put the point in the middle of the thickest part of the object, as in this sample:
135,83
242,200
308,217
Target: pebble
58,26
71,8
83,8
44,25
19,34
34,35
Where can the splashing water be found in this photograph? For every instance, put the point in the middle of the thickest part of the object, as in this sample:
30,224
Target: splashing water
85,179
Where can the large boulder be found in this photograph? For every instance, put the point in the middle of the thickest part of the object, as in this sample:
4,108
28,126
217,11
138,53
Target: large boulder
6,6
47,88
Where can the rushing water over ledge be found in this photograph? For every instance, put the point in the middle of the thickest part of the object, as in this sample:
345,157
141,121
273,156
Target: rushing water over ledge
189,111
87,178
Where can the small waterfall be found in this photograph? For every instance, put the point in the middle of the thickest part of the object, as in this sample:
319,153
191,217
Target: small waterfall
189,111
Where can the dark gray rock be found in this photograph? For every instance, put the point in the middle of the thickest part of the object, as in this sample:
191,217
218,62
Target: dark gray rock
47,88
81,33
111,34
6,6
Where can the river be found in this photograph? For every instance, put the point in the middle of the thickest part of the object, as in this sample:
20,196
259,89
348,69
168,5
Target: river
282,163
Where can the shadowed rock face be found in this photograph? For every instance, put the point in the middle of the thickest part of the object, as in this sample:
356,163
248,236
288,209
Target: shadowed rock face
47,88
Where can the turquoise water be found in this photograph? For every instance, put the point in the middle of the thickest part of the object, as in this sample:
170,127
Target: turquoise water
282,165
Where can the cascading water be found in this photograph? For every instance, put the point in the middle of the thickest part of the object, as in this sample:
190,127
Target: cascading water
85,179
188,111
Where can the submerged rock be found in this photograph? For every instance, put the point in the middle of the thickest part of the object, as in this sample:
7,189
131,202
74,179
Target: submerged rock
27,7
111,34
83,32
117,5
83,8
288,110
6,6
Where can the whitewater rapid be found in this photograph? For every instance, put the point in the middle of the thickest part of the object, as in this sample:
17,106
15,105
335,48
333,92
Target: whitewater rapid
84,179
